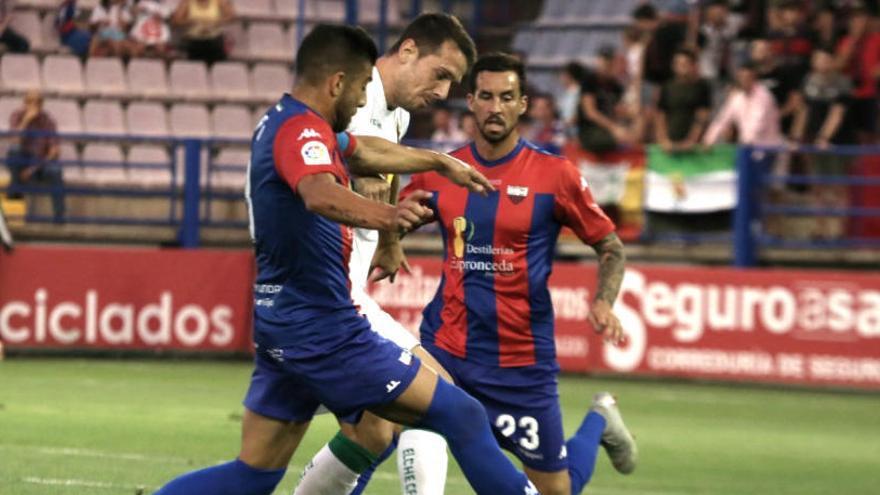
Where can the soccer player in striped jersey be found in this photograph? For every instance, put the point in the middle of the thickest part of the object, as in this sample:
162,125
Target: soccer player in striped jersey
491,322
433,51
312,345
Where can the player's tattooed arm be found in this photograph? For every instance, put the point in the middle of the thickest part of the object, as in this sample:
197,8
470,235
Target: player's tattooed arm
611,268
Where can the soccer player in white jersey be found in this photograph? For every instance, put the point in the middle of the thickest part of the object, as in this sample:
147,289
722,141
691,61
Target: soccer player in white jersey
432,52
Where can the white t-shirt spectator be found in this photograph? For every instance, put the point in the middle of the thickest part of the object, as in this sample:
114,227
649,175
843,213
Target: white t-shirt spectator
151,26
116,17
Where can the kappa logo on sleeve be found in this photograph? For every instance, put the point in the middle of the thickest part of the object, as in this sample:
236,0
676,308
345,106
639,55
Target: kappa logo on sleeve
316,153
309,134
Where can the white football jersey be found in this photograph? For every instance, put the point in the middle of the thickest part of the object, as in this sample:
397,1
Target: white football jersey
372,119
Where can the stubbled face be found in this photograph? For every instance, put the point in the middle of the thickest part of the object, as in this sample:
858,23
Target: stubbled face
352,96
858,24
790,17
497,104
746,79
425,78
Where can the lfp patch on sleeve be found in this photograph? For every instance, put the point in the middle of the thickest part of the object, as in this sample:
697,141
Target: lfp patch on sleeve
316,153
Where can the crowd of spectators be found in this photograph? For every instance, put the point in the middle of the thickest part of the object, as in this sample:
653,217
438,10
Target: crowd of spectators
135,28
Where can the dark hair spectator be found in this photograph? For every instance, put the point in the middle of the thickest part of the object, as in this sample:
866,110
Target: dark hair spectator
685,105
15,42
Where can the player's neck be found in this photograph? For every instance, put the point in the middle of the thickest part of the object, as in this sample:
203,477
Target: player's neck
386,74
494,151
311,98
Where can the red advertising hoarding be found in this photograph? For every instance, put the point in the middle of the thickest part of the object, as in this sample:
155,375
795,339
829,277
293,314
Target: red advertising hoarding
145,299
782,326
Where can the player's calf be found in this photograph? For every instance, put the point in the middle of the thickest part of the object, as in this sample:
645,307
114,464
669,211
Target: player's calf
550,483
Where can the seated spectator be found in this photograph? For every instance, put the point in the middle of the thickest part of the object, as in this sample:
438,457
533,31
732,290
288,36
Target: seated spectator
70,33
751,108
567,103
202,22
791,41
30,160
14,42
858,56
598,128
150,35
783,81
822,120
684,106
110,21
546,131
447,133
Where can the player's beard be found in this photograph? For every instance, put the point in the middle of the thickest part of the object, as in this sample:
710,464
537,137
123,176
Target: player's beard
495,138
343,113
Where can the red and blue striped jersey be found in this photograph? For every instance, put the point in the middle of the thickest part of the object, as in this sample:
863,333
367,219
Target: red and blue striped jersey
302,257
493,304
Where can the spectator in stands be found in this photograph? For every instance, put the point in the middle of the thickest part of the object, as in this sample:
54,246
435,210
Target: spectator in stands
468,125
858,56
684,106
567,104
599,130
822,121
792,42
718,31
633,53
73,36
783,81
447,132
30,160
14,42
751,108
110,21
202,22
662,39
546,131
151,34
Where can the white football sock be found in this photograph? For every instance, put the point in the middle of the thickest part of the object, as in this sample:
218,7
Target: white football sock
326,475
421,462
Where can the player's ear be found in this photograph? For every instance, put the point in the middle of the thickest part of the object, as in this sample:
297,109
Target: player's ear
336,83
523,104
408,51
470,101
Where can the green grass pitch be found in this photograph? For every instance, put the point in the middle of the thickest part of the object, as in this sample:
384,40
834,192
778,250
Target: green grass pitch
77,426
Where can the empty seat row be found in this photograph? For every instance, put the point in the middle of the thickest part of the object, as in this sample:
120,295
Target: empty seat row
144,78
146,119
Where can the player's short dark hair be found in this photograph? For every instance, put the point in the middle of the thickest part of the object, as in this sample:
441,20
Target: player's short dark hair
497,62
430,31
645,11
331,48
690,53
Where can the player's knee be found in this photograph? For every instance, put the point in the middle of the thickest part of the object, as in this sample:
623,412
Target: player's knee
457,413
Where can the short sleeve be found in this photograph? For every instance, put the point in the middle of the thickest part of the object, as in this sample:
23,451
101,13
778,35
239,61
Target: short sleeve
704,99
576,209
416,182
663,101
590,84
300,150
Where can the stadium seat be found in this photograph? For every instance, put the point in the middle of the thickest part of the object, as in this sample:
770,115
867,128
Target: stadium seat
237,37
28,24
51,43
232,122
146,119
105,77
267,41
103,164
67,115
232,178
189,80
368,11
103,117
63,75
71,167
147,78
8,105
270,81
327,10
142,159
190,120
288,9
229,81
262,9
20,72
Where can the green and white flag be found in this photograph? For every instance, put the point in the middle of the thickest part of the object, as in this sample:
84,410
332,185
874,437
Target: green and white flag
691,182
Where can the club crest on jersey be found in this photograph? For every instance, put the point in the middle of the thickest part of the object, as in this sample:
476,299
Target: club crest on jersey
316,153
463,232
517,193
309,133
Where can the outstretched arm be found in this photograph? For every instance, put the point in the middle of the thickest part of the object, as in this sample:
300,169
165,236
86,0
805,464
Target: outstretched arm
376,156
